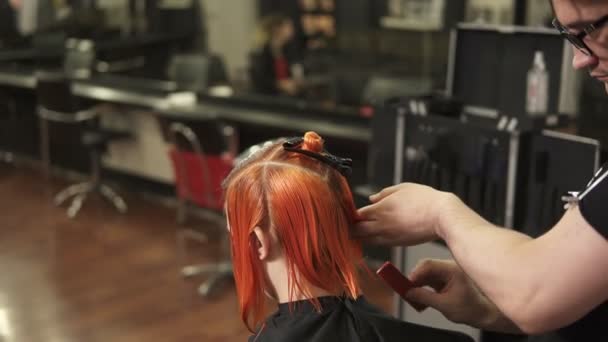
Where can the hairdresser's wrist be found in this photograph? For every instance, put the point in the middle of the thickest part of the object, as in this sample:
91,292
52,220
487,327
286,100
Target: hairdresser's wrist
455,217
446,205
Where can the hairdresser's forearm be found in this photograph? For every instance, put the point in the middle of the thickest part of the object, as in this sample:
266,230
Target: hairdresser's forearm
498,260
531,280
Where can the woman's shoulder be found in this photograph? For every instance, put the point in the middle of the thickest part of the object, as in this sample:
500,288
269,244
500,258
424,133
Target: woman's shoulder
392,329
301,321
343,319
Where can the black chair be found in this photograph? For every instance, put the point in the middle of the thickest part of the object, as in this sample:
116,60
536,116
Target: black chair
197,72
381,88
7,117
261,81
558,163
349,88
79,60
57,104
194,144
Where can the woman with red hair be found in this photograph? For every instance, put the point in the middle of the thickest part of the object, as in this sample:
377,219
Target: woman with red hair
290,211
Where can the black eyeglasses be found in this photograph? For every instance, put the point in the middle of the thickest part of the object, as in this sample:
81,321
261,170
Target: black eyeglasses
342,165
578,39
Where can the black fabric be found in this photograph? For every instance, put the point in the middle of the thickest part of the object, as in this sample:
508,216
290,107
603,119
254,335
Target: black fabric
590,328
8,24
345,320
93,138
594,205
262,70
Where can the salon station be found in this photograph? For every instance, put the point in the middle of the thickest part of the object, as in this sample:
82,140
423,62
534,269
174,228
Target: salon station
121,119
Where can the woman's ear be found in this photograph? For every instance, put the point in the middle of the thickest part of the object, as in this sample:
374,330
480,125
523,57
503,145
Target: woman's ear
262,243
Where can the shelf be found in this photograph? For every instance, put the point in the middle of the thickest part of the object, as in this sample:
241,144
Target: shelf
410,24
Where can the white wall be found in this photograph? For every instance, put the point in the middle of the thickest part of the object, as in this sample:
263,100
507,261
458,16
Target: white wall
493,11
116,13
230,28
538,12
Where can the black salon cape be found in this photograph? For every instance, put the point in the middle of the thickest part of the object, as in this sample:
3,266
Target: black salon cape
345,320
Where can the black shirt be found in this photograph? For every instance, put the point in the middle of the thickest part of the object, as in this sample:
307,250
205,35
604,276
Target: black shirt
345,320
594,208
262,70
594,202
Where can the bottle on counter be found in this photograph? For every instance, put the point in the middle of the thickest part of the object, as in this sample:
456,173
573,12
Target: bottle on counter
537,96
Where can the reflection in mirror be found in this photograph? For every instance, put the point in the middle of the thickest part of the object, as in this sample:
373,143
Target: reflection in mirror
340,49
326,52
538,13
497,12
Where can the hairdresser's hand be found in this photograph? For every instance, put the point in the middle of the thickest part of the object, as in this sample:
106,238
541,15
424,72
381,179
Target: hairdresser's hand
288,86
455,295
404,214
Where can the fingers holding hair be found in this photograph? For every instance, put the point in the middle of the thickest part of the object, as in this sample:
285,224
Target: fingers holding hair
375,198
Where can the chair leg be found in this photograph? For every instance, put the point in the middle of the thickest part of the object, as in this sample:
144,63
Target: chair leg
205,288
190,234
113,198
76,205
182,236
182,210
45,148
193,270
71,191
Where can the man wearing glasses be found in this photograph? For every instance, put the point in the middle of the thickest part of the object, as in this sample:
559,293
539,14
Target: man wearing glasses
503,280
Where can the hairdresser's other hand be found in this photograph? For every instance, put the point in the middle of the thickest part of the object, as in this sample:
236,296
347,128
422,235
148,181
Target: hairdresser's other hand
404,214
455,295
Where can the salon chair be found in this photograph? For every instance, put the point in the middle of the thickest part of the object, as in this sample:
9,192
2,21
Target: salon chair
57,104
202,154
7,115
197,72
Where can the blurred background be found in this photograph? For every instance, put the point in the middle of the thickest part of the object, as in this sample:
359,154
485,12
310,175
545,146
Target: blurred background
120,118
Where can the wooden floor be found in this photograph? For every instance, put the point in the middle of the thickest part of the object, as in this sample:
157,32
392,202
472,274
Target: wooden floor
103,276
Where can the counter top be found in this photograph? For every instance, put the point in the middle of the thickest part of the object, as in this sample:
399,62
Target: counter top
164,98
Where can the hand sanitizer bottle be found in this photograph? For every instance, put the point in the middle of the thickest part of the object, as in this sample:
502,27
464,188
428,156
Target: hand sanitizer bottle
537,97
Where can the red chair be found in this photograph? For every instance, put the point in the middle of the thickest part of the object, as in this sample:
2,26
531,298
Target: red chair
199,177
198,180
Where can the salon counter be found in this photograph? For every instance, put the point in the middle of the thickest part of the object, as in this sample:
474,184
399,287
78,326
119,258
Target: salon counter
139,103
164,98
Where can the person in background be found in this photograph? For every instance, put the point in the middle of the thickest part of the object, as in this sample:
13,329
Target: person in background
290,212
8,23
271,64
33,15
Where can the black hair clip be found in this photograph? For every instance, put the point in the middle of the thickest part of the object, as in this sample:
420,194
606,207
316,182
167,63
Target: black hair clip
342,165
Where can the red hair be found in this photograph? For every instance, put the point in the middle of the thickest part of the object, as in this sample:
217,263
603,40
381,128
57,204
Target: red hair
309,206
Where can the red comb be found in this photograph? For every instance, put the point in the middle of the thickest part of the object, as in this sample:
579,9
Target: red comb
398,282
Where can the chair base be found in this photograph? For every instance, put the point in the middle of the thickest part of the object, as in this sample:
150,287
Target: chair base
80,192
217,272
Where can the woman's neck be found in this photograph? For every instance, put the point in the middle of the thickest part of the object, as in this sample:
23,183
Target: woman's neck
278,276
315,292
